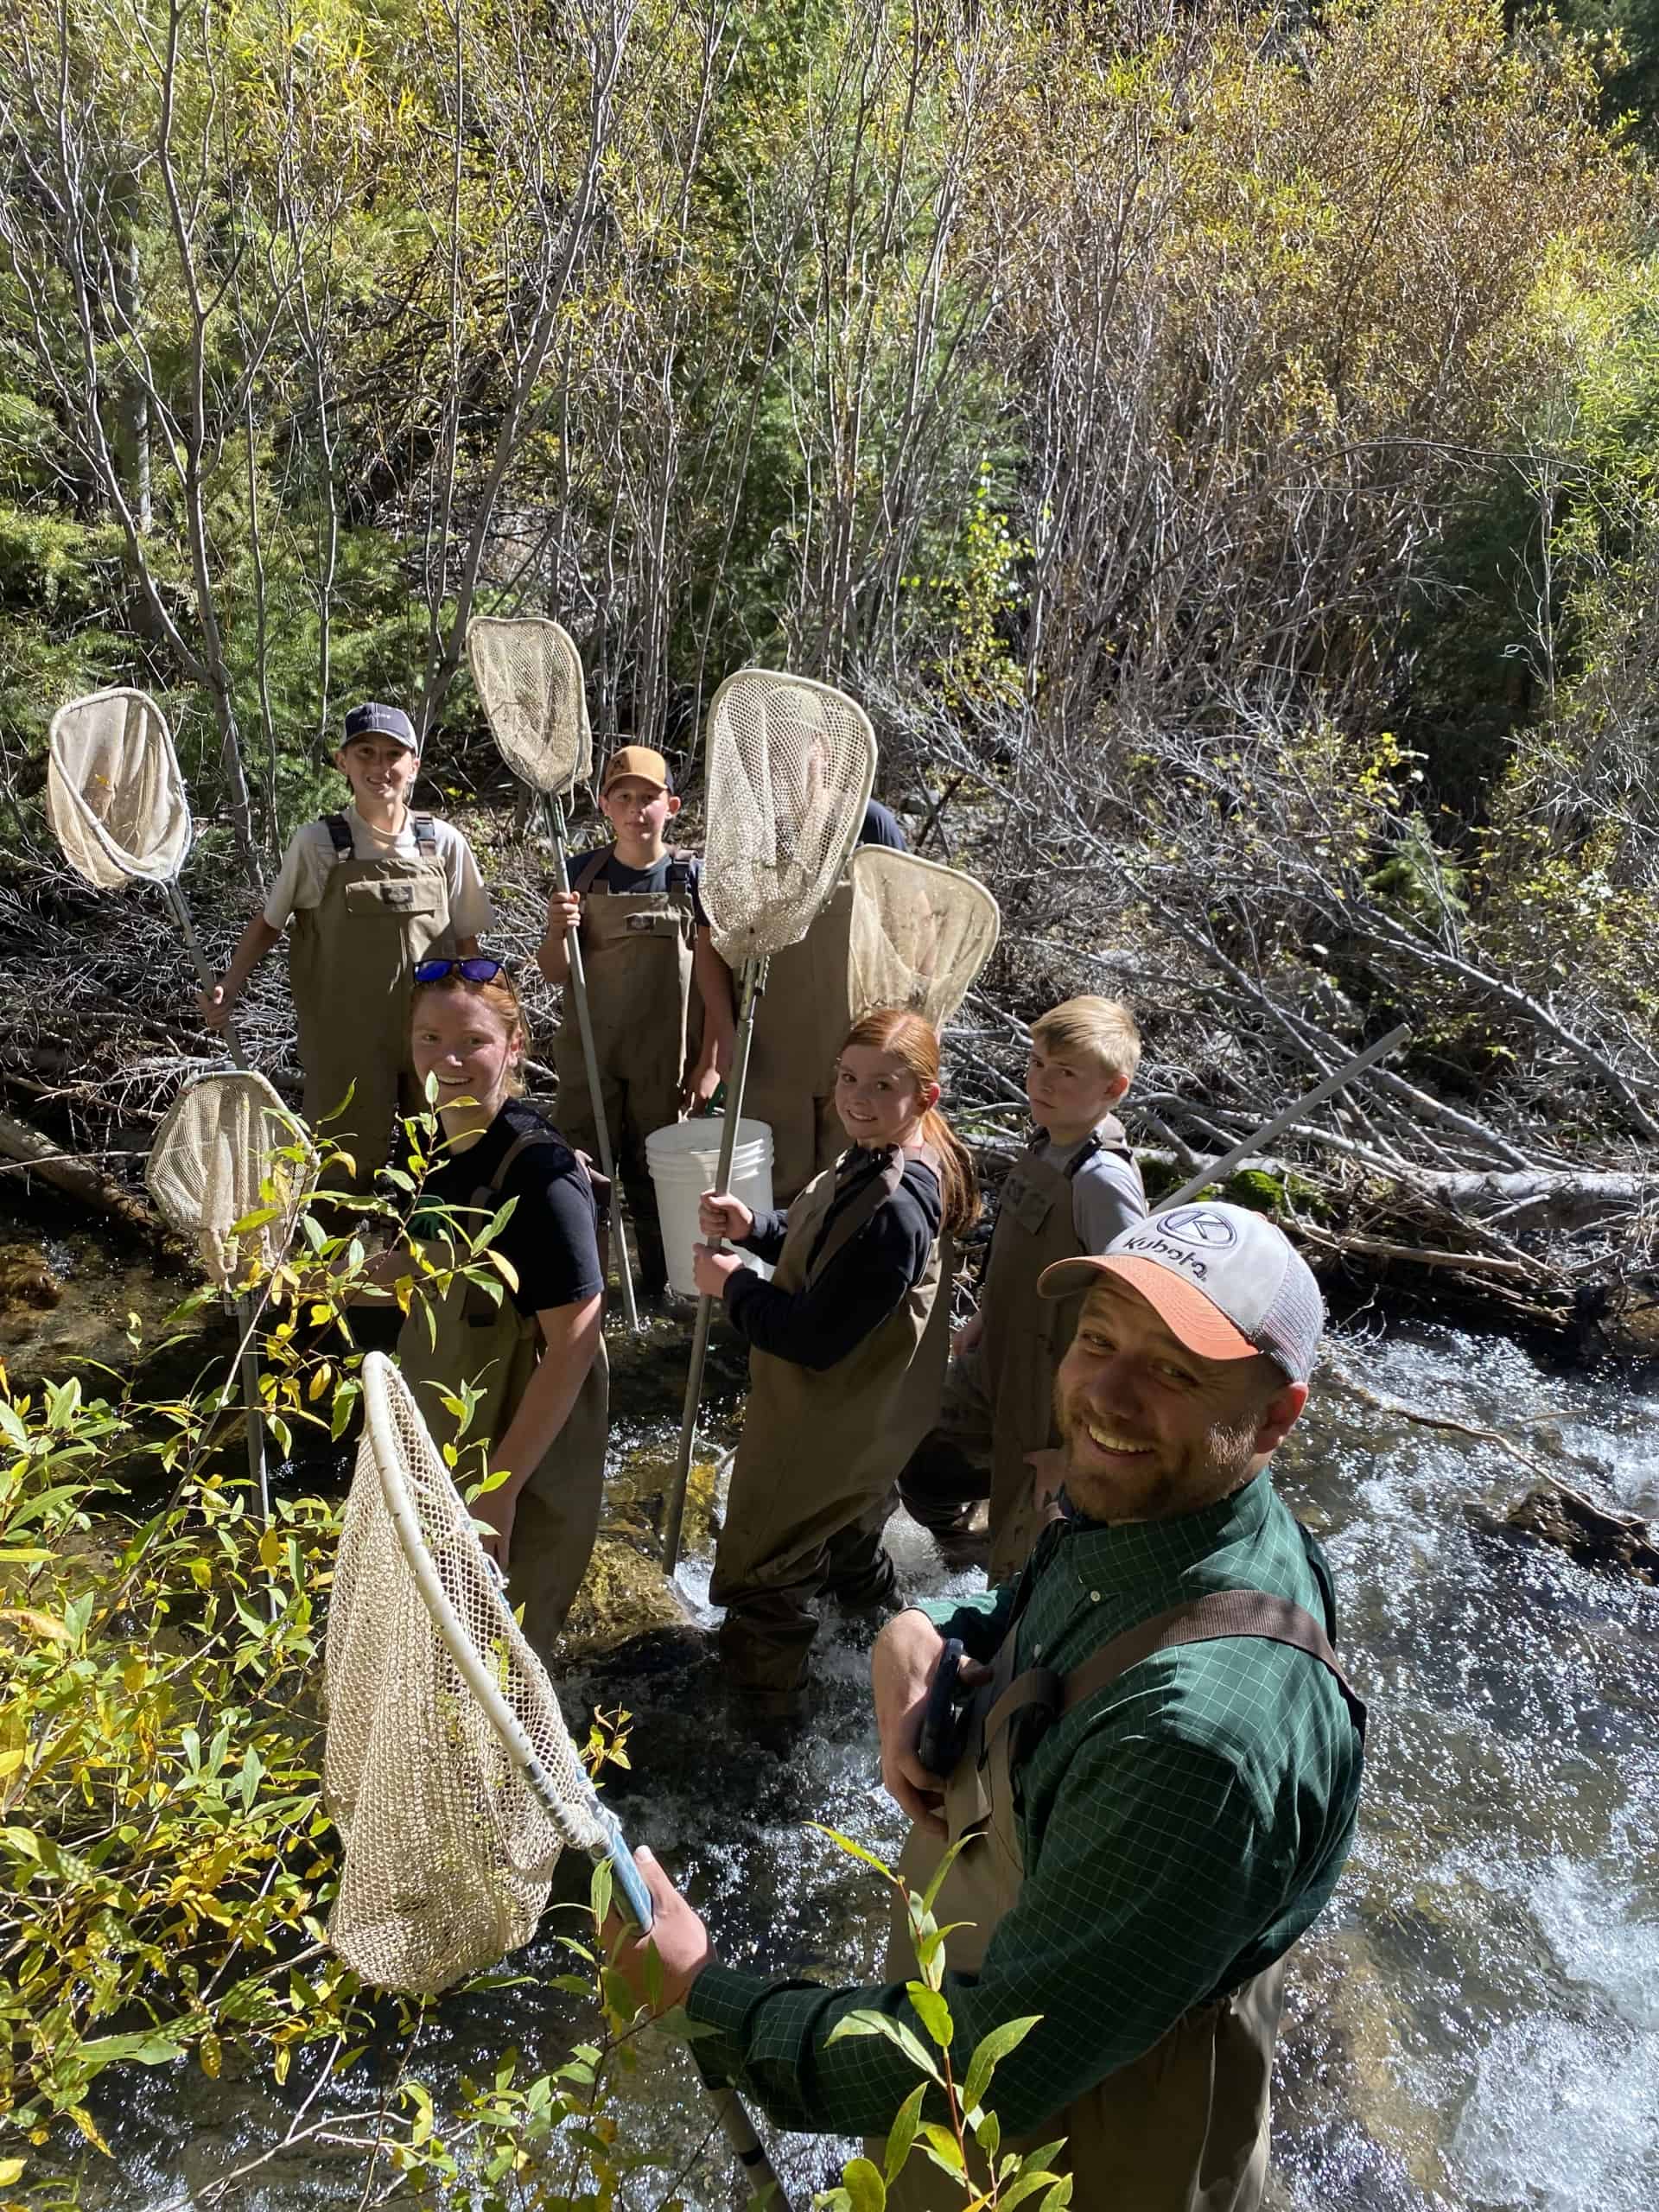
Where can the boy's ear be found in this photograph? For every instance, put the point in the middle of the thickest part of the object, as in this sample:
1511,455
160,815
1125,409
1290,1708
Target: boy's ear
1119,1084
673,804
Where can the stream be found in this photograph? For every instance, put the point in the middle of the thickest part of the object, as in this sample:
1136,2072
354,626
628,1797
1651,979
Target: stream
1472,2026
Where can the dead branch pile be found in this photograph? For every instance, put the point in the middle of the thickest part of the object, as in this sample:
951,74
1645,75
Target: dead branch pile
1268,902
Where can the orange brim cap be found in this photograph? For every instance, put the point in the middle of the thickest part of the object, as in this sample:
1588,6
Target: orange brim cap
1180,1305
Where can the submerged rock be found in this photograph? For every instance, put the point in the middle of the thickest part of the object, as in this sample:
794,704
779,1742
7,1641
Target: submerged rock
1587,1532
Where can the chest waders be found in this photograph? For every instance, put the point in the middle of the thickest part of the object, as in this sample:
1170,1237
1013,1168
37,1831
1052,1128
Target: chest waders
1025,1336
352,960
812,1482
800,1026
1184,2127
497,1349
638,948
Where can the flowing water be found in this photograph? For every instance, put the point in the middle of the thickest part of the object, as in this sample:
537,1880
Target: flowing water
1473,2026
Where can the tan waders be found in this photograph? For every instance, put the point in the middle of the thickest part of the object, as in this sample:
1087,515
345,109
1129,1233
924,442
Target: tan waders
637,946
812,1487
496,1349
1024,1339
800,1026
351,959
1184,2127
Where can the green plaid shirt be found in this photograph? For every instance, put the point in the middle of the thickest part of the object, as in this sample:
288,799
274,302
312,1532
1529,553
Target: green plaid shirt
1178,1833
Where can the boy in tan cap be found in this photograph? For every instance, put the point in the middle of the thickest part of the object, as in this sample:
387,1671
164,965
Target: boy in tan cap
645,942
363,895
1074,1188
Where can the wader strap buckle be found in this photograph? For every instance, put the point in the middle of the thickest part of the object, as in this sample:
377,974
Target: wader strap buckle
340,835
426,837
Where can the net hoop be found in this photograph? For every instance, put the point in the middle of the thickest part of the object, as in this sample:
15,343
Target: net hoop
211,1166
791,764
531,684
920,935
115,796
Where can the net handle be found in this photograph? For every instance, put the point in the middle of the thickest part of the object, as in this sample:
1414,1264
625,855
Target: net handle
753,984
1221,1168
553,814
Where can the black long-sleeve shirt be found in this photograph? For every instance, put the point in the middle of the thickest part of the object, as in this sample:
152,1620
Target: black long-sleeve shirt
865,1282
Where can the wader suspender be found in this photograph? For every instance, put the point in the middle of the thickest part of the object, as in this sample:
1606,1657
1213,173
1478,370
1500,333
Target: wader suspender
1039,1691
864,1205
679,873
481,1309
340,832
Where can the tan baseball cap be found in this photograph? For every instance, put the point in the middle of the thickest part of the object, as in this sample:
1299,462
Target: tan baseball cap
637,760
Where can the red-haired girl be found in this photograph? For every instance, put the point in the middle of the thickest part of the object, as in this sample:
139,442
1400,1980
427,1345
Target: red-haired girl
848,1351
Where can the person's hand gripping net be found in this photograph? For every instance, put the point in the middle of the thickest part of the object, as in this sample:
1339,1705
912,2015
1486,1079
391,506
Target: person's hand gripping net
719,1214
902,1667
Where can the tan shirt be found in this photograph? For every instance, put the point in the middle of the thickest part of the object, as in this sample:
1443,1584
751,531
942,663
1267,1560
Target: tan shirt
299,882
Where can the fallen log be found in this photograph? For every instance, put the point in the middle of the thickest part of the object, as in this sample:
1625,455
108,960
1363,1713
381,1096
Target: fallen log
72,1174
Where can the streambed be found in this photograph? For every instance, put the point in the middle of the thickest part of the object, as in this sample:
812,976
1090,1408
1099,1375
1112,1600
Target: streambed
1472,2027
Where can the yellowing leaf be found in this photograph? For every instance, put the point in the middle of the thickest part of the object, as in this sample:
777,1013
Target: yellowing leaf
270,1551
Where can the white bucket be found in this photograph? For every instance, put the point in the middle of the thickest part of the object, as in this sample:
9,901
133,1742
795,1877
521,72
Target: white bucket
683,1160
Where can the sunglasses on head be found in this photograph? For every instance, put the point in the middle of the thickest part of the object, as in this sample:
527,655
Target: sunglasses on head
471,971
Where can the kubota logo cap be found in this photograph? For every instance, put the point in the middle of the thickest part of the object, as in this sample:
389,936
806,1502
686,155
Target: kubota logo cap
1226,1281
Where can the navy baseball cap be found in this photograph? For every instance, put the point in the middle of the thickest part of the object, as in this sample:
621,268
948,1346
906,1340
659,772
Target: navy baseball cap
372,720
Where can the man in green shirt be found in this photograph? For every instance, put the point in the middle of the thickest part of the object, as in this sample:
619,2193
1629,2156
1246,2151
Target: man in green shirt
1165,1760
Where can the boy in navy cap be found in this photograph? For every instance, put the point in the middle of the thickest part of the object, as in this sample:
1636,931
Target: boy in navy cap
369,892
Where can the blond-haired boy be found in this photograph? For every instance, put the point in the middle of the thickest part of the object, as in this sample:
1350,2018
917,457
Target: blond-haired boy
1071,1192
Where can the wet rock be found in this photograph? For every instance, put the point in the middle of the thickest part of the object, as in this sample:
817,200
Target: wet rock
1587,1532
625,1594
28,1289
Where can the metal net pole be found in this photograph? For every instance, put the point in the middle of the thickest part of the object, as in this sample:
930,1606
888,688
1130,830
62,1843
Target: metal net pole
553,810
754,981
181,915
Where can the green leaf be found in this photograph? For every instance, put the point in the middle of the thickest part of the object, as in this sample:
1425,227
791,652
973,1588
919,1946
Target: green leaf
878,2024
933,2012
865,2190
990,2054
854,1850
943,2147
902,2133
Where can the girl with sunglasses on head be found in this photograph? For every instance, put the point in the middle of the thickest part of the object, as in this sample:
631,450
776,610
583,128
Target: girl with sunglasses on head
848,1352
536,1358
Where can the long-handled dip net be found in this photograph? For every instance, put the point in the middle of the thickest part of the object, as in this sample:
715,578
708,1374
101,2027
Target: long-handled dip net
920,934
791,764
116,800
530,680
448,1767
230,1169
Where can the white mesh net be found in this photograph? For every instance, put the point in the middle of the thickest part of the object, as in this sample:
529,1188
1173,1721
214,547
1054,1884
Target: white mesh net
449,1852
530,682
791,764
114,795
214,1164
920,934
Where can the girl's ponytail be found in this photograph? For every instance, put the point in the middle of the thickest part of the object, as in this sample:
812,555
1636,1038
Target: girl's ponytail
911,1038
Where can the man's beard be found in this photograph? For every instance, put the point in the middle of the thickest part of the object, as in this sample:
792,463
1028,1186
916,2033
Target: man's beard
1219,1463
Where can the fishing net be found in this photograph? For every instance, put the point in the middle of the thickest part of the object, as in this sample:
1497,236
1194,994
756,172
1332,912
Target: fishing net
449,1850
213,1166
920,934
791,764
114,795
530,682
